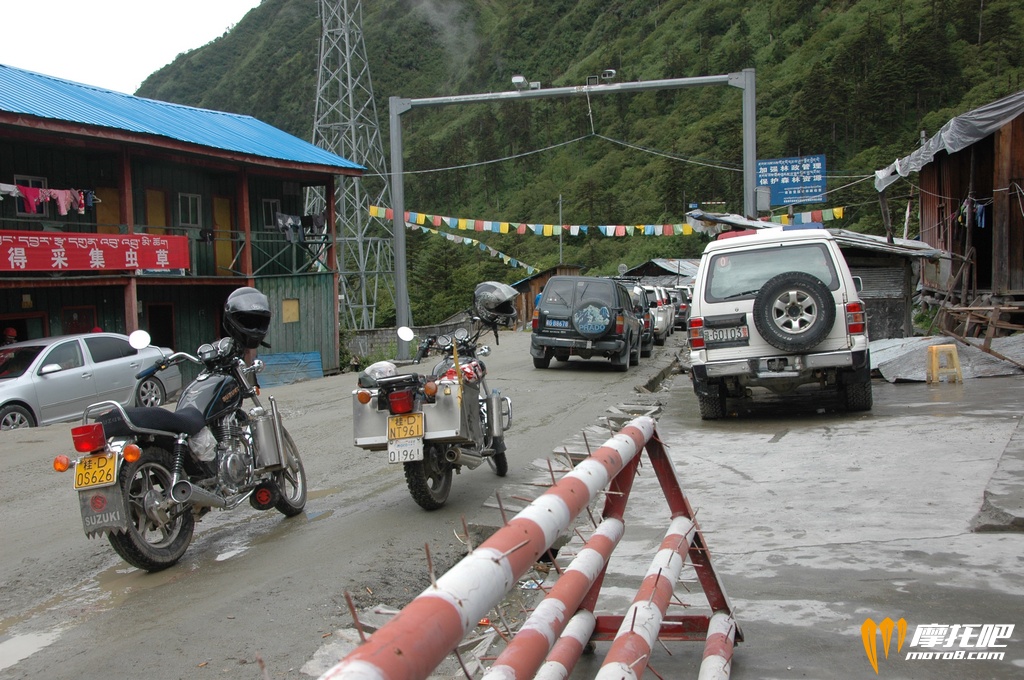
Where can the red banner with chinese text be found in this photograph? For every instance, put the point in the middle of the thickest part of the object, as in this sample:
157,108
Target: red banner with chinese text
35,251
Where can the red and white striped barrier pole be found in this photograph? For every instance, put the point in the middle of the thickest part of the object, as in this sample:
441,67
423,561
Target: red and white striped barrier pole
627,658
526,651
717,662
416,640
569,647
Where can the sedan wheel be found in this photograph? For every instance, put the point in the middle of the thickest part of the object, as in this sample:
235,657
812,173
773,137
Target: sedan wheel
150,393
14,417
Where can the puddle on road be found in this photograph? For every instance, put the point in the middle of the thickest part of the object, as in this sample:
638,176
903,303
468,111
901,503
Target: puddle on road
14,648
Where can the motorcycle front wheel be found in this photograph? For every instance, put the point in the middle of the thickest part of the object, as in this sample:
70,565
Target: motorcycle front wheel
149,543
291,481
429,480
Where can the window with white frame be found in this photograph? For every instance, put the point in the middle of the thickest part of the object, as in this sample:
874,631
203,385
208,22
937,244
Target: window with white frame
190,210
39,209
271,206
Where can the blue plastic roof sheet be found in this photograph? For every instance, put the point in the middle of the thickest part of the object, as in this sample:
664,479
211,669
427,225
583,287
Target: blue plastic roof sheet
34,94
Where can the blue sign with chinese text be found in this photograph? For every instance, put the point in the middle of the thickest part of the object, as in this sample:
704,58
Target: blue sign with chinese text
793,180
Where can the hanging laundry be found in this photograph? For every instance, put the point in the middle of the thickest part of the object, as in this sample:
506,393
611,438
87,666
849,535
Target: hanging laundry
290,225
30,198
8,190
62,197
979,216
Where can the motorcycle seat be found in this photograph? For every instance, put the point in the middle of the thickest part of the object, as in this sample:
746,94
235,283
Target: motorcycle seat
188,420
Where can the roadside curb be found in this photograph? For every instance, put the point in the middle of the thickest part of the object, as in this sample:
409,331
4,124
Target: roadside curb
1003,506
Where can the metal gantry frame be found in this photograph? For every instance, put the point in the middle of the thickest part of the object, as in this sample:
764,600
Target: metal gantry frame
346,123
399,105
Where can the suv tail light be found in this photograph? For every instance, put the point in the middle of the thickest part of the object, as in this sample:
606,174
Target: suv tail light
856,318
695,332
536,319
620,324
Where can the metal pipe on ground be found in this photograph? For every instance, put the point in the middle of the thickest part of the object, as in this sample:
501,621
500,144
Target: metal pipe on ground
526,652
632,646
717,662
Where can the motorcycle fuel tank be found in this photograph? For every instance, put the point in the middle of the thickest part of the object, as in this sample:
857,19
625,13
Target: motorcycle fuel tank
214,396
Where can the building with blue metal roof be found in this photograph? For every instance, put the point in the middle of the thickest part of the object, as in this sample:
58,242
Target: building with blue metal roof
124,212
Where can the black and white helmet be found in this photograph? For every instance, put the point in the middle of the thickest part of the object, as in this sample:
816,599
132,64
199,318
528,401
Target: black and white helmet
494,303
247,317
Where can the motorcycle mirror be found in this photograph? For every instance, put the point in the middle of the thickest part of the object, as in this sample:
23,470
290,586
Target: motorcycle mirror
139,339
406,333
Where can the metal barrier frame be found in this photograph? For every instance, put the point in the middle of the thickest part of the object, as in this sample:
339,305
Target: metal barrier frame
417,639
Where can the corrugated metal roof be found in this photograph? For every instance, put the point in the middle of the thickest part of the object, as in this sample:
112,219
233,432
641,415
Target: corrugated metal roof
35,94
707,223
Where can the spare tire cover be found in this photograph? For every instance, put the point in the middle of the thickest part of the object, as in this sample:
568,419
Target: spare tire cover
592,319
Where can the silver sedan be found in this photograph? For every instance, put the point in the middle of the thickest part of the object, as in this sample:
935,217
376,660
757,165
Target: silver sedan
54,379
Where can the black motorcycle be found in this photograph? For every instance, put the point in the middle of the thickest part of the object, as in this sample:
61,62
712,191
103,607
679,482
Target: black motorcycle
148,474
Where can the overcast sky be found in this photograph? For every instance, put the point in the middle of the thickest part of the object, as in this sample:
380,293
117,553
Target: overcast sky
115,44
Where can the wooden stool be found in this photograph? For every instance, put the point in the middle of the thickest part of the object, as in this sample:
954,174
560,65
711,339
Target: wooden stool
936,370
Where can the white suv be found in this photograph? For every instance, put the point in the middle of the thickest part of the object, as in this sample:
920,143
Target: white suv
777,309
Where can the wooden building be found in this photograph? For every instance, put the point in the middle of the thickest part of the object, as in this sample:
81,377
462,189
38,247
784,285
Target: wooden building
123,213
971,180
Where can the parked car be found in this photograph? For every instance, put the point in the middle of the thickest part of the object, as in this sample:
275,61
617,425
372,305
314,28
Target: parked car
54,379
647,317
660,313
681,302
585,316
778,310
666,301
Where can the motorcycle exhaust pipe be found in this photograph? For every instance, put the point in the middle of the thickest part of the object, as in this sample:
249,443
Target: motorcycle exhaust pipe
459,456
187,492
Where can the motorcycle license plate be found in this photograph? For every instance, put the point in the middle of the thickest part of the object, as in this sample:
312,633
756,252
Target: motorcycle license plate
404,427
405,450
405,438
99,469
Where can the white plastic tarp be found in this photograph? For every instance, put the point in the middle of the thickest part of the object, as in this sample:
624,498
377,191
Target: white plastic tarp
957,134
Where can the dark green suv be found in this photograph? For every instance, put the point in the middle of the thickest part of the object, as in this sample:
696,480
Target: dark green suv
585,316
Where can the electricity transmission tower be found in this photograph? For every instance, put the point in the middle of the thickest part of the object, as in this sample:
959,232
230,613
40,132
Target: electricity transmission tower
346,124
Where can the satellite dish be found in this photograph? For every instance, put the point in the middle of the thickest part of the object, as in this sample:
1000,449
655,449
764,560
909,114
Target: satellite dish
623,269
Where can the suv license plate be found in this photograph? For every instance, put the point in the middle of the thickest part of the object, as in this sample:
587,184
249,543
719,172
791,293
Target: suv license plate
557,323
740,334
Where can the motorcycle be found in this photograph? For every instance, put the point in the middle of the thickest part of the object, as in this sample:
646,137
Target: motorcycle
437,423
148,474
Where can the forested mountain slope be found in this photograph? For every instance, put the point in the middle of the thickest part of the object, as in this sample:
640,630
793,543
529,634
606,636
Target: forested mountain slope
856,80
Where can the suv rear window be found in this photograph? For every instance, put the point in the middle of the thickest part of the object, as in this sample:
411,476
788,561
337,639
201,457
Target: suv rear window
559,292
737,275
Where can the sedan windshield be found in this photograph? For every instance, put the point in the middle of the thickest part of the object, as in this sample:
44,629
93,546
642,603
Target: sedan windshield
15,361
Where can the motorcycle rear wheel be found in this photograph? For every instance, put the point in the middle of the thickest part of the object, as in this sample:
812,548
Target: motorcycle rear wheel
291,481
429,480
147,544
